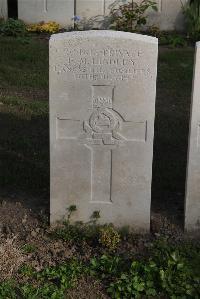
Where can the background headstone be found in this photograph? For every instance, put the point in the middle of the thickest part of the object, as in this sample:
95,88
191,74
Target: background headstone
3,9
93,13
102,102
33,11
168,17
192,201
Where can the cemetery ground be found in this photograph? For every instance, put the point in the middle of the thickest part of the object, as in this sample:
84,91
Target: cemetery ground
89,261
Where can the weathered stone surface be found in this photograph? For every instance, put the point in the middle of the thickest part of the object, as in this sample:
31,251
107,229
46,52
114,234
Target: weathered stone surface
192,201
102,102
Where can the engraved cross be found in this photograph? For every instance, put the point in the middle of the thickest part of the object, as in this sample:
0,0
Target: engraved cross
105,130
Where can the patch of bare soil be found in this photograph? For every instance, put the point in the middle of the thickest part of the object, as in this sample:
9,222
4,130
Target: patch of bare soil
20,226
87,288
27,227
15,220
11,259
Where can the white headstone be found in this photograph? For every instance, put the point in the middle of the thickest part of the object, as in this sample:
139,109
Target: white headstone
102,102
192,201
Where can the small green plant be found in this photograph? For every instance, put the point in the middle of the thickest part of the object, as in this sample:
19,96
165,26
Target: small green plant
29,248
131,16
71,209
95,216
109,237
192,13
139,280
12,27
27,270
168,271
78,232
173,40
177,277
7,290
171,271
76,20
106,266
52,282
65,274
68,232
154,31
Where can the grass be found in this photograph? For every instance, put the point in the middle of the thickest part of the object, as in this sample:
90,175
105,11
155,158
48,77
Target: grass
160,269
23,65
24,138
168,271
175,70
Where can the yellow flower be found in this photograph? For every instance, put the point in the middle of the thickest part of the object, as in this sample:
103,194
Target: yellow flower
109,237
49,27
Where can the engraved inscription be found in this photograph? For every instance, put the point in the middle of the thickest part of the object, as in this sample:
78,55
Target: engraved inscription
102,64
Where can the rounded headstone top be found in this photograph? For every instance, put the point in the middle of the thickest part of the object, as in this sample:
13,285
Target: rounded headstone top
104,34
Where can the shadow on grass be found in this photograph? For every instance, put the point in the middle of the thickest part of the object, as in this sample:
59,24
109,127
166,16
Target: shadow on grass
24,159
169,166
24,141
24,162
171,133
